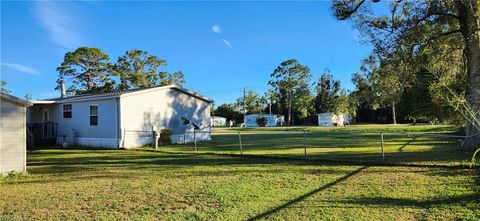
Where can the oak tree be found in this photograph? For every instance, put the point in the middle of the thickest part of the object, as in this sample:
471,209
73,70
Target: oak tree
413,25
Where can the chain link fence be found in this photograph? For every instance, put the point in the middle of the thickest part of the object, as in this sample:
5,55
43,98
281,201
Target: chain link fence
356,147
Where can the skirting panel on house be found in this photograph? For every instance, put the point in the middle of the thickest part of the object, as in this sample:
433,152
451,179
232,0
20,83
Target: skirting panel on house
93,142
137,138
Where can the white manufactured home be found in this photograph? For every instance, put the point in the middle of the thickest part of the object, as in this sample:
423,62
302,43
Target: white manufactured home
13,146
331,119
272,120
122,119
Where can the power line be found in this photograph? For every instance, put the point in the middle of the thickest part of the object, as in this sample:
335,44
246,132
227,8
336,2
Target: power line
235,89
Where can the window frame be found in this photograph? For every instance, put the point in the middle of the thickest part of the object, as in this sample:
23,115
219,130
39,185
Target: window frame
93,116
67,111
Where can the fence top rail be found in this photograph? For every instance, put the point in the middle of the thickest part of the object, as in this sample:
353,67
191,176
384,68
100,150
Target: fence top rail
198,132
267,132
139,131
426,134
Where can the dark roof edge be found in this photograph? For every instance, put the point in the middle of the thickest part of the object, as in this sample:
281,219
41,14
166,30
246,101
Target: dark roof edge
193,94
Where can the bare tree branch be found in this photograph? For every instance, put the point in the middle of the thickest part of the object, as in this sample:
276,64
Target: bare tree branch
347,9
444,34
445,14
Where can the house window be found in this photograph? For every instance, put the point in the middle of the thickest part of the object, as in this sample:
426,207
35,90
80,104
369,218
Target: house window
67,111
94,115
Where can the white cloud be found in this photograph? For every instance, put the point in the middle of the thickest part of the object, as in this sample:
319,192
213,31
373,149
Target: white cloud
60,24
216,29
227,43
21,68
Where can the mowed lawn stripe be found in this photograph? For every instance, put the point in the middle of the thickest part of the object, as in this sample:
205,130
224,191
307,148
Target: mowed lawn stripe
122,184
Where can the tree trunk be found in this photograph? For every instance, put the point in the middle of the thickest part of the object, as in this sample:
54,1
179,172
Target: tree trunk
394,113
289,104
469,24
290,110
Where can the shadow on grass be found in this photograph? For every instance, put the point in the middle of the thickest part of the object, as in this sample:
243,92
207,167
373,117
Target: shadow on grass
398,202
78,164
304,196
406,144
62,161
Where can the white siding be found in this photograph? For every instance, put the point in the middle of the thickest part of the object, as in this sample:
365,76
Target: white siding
105,134
163,109
12,137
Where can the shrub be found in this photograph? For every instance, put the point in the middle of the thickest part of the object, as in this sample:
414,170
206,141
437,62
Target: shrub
12,175
261,121
165,136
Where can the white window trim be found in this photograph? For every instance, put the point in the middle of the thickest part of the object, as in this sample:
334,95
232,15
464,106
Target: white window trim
71,110
90,114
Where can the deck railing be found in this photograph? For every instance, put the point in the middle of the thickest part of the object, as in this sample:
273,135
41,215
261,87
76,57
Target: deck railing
44,134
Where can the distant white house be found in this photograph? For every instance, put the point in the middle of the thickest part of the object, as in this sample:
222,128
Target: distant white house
122,119
331,119
217,121
13,144
273,120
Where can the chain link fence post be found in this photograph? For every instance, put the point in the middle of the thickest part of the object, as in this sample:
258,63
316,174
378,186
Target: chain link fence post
240,141
195,138
156,135
383,148
304,144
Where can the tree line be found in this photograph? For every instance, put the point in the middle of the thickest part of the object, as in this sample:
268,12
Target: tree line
89,70
293,94
377,97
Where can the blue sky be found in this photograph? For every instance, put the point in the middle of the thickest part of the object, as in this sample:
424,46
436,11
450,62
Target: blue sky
220,46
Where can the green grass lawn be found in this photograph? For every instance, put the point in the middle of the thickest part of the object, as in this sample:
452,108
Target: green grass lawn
403,144
424,128
126,184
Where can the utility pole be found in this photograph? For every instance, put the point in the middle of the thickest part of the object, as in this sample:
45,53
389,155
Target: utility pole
244,107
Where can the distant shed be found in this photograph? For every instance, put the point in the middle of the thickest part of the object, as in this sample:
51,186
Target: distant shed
273,120
331,119
217,121
13,144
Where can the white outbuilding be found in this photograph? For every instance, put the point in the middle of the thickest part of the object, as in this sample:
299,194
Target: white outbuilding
13,144
331,119
217,121
272,120
121,119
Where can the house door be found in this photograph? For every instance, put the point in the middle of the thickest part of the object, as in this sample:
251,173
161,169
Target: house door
45,115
